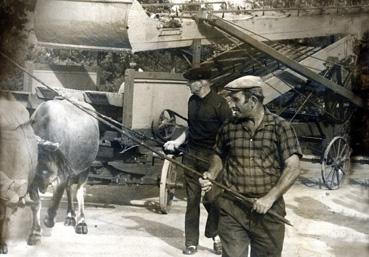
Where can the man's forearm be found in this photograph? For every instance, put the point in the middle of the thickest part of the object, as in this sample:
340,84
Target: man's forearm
216,166
182,138
288,177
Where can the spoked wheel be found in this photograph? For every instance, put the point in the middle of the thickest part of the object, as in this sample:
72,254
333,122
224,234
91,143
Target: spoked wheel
167,185
336,162
164,127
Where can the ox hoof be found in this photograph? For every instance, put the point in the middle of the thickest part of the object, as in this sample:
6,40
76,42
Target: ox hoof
70,221
3,248
81,228
34,239
49,222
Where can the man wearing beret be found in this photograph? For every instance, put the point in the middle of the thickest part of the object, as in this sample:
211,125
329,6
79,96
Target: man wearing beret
206,112
260,154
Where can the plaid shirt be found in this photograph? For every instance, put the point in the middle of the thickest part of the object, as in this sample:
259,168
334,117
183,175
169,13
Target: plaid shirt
254,163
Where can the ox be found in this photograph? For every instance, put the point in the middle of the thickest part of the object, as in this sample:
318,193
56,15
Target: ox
18,159
75,135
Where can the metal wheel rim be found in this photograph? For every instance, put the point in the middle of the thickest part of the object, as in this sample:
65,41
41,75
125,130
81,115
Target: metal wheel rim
336,162
167,180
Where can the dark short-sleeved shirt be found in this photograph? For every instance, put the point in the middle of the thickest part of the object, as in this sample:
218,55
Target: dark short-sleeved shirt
254,162
205,116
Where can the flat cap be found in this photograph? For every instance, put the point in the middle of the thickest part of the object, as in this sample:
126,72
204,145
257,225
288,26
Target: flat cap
197,73
245,82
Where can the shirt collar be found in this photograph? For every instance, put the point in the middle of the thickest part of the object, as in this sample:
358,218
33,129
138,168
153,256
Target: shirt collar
266,121
206,98
208,95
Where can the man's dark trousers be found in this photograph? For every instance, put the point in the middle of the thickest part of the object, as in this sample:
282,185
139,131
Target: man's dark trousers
240,227
193,191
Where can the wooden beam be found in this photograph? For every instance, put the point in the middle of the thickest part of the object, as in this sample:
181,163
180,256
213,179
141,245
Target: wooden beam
196,53
340,49
293,65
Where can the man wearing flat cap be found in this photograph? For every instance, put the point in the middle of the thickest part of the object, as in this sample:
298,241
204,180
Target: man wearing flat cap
206,112
259,154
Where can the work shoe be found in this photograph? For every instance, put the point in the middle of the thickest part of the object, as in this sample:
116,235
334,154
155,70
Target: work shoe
217,246
189,250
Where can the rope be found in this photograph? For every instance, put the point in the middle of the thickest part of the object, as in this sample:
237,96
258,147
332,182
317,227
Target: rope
139,142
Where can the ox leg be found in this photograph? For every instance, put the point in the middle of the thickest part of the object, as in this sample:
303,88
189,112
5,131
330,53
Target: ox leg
35,236
70,219
3,229
49,219
81,227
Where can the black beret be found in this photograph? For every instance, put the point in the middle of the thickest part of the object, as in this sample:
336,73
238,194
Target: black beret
197,73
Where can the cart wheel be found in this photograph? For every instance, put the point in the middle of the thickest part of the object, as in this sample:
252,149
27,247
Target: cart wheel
336,162
167,185
164,127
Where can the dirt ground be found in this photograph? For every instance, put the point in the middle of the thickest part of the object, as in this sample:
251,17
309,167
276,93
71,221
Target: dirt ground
125,221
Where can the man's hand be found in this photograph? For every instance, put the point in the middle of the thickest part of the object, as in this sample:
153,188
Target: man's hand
205,182
171,145
263,204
